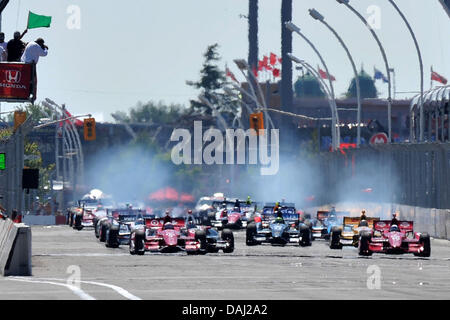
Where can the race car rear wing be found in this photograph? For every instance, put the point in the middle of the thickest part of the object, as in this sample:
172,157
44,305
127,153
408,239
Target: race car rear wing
354,221
385,225
159,222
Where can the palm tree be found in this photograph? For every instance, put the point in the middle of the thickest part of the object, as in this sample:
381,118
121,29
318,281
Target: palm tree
286,65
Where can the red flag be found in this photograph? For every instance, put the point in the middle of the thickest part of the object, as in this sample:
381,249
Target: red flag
78,123
324,75
273,58
231,75
437,77
280,60
276,72
260,65
265,63
255,72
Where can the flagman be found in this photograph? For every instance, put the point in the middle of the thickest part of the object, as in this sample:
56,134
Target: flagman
15,47
34,50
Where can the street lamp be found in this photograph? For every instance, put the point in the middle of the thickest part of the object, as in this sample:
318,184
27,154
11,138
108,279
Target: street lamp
421,67
316,15
322,84
293,28
383,53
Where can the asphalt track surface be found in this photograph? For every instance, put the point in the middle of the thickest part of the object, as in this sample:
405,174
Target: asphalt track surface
261,272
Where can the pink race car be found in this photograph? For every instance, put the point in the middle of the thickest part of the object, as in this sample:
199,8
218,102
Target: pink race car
394,239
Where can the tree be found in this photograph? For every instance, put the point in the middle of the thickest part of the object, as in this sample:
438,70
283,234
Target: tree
211,82
151,112
286,63
367,86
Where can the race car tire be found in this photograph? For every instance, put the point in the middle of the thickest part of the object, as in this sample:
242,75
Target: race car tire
77,223
250,233
70,219
305,233
111,240
103,228
335,237
137,245
95,222
200,236
425,240
363,247
227,235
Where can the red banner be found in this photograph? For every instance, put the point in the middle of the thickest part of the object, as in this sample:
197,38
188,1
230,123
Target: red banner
17,82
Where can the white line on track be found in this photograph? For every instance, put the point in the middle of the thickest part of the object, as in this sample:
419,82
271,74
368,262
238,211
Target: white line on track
118,289
80,293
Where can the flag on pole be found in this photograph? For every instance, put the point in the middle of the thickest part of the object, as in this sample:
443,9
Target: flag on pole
231,75
437,77
324,75
273,58
276,72
77,122
38,21
378,75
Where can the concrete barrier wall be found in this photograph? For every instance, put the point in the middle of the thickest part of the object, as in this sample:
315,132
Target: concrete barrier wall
434,221
15,249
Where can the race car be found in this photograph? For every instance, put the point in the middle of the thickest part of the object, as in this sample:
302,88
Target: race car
175,236
394,239
115,227
268,228
348,234
228,215
319,229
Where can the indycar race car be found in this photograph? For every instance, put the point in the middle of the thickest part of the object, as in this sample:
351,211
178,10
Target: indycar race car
83,215
230,216
278,230
115,227
319,229
348,234
394,239
154,236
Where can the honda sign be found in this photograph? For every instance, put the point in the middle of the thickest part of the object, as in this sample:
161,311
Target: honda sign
17,82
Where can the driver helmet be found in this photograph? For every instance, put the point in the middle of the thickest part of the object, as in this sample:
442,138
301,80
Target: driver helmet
363,212
189,211
168,226
394,227
167,212
394,215
279,220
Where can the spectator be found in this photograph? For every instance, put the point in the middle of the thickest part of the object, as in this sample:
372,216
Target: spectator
14,215
3,45
34,50
15,47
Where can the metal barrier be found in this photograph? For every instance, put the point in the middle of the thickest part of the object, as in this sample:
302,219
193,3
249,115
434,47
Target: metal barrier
409,174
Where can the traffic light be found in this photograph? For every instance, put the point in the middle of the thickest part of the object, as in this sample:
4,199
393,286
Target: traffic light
257,121
89,129
19,118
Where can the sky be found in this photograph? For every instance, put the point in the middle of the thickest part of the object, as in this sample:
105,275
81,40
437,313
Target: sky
121,52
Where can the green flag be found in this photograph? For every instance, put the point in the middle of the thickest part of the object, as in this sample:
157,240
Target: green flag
37,21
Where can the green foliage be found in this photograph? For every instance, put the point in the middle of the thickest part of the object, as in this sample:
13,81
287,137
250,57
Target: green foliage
35,111
152,112
212,80
367,87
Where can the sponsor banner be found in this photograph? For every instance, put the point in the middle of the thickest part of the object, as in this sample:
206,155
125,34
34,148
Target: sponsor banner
17,82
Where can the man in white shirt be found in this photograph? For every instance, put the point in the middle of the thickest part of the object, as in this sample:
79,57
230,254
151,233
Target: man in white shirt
3,45
34,50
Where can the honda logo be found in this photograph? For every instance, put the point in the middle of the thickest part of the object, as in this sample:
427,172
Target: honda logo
13,76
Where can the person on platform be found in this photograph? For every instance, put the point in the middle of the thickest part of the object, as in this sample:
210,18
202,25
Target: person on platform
34,50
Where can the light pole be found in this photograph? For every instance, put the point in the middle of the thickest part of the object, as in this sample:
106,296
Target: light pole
317,16
335,122
421,125
383,53
322,84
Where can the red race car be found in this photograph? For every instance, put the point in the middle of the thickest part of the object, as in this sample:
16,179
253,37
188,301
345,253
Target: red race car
394,239
155,236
